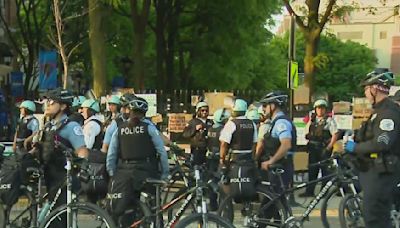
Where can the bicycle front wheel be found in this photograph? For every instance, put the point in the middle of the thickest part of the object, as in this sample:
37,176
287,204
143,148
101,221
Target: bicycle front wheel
203,220
350,214
82,215
327,203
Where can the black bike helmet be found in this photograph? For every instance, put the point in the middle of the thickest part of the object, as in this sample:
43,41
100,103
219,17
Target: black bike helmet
385,79
276,97
138,104
126,98
60,95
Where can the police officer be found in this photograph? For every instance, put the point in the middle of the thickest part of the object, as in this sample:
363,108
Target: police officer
113,105
321,136
137,145
220,117
27,127
377,144
196,130
121,117
278,142
76,110
59,130
92,127
253,115
239,135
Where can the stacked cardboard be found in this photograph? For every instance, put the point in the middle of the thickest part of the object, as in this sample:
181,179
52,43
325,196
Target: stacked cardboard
341,107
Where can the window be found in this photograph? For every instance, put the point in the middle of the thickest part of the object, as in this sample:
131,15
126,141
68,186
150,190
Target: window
350,35
383,35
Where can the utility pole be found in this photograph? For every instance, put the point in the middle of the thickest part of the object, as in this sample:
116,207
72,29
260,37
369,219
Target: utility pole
291,57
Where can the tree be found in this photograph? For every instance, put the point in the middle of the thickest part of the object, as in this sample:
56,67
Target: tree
339,72
97,45
311,25
27,36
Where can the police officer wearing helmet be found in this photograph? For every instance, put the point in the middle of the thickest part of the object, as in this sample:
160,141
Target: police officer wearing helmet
136,151
27,127
220,117
239,135
113,105
76,110
196,130
59,130
278,143
121,117
377,144
253,115
92,126
321,136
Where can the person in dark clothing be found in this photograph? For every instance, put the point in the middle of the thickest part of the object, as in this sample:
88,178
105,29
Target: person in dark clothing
135,153
321,136
197,130
220,117
377,147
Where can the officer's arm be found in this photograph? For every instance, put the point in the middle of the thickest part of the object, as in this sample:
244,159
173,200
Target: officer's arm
159,145
90,131
111,160
385,130
259,149
107,136
190,129
225,139
223,151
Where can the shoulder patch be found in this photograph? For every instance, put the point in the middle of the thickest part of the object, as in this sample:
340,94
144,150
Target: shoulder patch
78,130
281,127
386,125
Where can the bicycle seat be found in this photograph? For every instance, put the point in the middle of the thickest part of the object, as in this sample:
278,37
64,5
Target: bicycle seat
153,181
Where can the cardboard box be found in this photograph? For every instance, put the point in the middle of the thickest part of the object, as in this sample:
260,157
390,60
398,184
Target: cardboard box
217,100
361,107
300,161
341,107
301,95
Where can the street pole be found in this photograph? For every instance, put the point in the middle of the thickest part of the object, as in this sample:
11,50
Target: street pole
291,57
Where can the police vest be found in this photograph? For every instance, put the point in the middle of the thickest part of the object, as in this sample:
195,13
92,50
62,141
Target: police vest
77,117
271,144
213,139
135,142
242,138
23,132
317,131
48,149
98,140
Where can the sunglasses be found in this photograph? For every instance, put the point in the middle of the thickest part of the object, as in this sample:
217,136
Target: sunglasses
50,102
203,110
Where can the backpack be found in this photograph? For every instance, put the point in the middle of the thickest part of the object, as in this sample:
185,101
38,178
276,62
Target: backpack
10,181
243,180
98,178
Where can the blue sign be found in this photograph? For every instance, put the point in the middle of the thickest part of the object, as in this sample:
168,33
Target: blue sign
48,70
17,84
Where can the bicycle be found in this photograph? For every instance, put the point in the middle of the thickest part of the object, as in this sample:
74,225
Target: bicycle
272,207
152,216
75,213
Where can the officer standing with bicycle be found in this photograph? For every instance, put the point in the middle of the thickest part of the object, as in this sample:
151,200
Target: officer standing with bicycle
279,141
136,151
377,145
321,136
196,130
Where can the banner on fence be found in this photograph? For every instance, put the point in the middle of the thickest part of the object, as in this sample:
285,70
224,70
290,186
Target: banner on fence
178,121
48,70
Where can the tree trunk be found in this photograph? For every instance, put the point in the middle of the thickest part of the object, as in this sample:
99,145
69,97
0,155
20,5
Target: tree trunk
160,43
140,16
311,50
97,47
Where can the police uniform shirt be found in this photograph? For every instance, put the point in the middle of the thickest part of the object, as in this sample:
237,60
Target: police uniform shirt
112,154
329,125
282,129
90,130
263,129
72,132
110,130
230,128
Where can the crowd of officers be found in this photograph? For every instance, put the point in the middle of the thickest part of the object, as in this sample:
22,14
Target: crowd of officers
133,147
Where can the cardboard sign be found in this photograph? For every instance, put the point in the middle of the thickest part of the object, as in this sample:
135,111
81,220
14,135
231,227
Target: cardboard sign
217,100
177,121
301,131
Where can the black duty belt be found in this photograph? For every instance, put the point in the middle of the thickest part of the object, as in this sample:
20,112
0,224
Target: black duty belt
137,161
241,157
